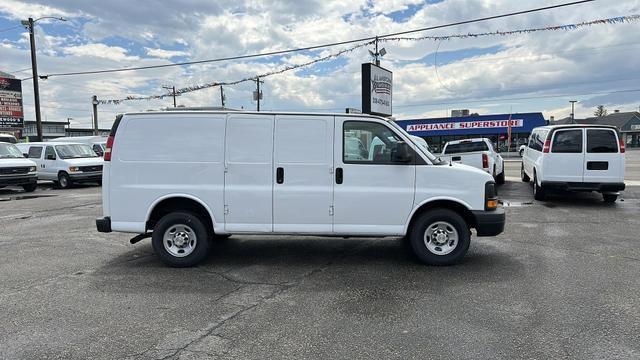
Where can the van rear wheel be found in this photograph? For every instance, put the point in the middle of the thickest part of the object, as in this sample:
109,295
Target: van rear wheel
523,174
610,198
440,237
538,191
180,239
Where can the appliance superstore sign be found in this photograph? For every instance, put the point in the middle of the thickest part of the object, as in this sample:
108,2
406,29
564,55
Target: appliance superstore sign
465,125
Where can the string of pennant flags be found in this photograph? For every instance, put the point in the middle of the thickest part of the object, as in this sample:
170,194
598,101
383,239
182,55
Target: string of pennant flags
192,88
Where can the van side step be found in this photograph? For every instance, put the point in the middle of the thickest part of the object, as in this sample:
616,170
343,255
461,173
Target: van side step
140,237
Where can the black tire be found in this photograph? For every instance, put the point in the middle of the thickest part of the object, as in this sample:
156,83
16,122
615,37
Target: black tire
30,187
538,191
429,219
523,174
201,247
500,179
64,181
610,198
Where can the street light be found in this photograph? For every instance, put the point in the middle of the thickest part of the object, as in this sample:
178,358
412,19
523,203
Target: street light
573,114
34,68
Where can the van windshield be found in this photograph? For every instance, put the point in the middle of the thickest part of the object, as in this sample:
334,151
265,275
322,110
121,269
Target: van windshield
75,151
434,159
9,151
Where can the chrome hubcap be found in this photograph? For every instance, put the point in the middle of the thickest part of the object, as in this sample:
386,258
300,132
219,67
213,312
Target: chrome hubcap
179,240
441,238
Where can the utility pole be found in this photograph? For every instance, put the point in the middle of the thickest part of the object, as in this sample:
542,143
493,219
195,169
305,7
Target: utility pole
34,72
257,95
222,97
69,126
94,102
173,92
377,53
573,115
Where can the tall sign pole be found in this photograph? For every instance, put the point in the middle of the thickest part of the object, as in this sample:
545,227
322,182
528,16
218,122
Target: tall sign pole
34,72
94,102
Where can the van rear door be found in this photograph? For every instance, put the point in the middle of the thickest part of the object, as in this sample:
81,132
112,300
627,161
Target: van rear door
603,161
565,160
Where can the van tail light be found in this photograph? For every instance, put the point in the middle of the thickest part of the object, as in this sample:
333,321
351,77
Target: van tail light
107,151
485,161
547,145
622,148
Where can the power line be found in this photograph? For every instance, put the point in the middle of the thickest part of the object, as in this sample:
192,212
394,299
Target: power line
279,52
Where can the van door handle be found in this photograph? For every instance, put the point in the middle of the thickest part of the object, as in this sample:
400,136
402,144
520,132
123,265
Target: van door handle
280,175
339,176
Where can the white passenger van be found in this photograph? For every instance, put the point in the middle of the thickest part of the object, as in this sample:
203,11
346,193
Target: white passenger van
97,143
286,173
64,163
575,158
15,170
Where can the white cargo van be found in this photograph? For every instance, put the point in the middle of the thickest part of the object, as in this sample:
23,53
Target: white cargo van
97,143
64,163
15,170
286,173
575,158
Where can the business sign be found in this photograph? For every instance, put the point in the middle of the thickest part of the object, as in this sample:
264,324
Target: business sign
377,90
11,114
465,125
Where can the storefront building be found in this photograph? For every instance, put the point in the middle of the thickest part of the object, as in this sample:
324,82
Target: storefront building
495,127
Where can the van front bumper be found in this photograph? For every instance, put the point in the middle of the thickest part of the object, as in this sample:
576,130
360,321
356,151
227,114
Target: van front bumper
104,224
583,186
18,180
86,177
489,223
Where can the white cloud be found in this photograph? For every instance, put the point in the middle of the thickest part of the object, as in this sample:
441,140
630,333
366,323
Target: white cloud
100,50
165,54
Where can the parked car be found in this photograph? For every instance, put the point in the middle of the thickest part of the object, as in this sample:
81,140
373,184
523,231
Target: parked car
15,170
97,143
8,138
478,153
283,173
575,158
64,163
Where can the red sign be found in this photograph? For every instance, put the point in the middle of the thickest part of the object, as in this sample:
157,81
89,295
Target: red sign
11,111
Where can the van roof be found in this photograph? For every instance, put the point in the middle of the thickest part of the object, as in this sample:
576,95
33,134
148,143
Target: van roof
44,143
567,126
235,112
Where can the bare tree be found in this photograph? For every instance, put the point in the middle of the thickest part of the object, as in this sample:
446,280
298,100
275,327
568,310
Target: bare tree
600,111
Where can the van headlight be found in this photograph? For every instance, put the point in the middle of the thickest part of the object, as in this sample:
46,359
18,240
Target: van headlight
32,169
74,169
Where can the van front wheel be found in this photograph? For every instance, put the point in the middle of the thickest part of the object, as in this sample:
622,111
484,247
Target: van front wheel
440,237
180,239
64,181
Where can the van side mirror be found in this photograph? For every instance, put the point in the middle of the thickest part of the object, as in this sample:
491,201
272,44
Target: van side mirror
25,155
402,153
51,157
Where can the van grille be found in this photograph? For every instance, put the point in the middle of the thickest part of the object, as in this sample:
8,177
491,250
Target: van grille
14,170
91,168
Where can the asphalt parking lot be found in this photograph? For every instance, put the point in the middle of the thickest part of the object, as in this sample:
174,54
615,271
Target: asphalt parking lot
560,282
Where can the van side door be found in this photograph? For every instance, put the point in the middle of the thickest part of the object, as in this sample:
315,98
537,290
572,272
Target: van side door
603,161
303,170
35,154
49,164
565,160
249,176
374,190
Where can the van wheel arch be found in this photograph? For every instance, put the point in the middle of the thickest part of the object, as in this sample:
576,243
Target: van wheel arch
456,207
176,204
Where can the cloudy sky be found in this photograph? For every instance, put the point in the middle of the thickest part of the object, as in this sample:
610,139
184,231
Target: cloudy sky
534,72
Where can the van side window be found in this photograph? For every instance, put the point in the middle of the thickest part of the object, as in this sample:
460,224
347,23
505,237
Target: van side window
368,143
35,152
567,141
601,141
49,152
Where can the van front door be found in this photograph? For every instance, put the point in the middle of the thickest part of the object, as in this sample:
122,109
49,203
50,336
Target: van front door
49,164
565,161
303,189
249,177
374,187
603,162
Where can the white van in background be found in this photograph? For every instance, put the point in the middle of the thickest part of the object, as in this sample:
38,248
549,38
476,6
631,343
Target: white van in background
64,163
97,143
286,173
575,158
15,170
